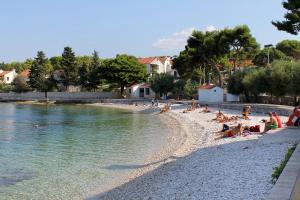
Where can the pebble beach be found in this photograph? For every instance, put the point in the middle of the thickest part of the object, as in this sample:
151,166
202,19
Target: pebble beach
195,166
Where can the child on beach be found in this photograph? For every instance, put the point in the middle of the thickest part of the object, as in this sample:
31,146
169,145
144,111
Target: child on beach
246,112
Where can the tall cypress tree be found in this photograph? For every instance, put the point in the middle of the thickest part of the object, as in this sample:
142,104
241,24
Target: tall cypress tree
94,77
40,73
70,67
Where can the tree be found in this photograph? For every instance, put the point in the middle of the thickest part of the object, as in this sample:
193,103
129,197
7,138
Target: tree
40,73
291,24
207,50
261,59
21,84
162,83
70,67
290,48
56,62
95,71
293,87
254,82
241,43
123,70
190,88
278,78
178,90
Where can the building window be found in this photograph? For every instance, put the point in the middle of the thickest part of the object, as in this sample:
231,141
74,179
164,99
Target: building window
147,91
129,91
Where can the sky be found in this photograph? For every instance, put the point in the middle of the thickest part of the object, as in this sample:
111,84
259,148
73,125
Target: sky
136,27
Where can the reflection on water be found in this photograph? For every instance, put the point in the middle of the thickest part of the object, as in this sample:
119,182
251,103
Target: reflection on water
66,152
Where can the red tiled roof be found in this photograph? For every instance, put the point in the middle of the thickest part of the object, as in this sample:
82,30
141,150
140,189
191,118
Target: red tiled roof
206,87
148,60
25,73
4,73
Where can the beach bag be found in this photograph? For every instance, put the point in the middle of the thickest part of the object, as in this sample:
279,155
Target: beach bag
294,119
255,128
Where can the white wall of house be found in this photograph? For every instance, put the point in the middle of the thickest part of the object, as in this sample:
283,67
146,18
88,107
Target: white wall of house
9,77
135,91
213,95
232,97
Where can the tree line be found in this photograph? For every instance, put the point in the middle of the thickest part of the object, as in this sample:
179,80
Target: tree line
280,79
89,72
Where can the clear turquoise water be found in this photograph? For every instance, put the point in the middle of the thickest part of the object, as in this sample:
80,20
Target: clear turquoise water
70,151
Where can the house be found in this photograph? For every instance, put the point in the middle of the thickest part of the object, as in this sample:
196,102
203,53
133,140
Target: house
141,90
7,77
210,93
25,74
159,64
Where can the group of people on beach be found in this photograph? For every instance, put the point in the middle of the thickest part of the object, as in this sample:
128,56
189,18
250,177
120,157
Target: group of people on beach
274,122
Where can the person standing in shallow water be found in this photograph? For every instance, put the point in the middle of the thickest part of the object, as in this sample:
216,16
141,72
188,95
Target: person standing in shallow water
152,102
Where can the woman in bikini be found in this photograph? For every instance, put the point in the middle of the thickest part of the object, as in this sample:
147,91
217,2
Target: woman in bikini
231,132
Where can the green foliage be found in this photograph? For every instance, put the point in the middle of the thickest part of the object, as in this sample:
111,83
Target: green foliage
6,87
282,78
70,67
40,73
291,24
124,70
20,84
294,83
190,89
241,43
278,170
162,83
178,90
235,83
254,81
278,78
56,62
208,50
290,48
95,71
261,59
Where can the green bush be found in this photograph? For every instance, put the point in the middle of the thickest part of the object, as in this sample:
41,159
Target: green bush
6,87
278,170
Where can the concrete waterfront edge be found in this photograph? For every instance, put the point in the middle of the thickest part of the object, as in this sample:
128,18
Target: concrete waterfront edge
286,184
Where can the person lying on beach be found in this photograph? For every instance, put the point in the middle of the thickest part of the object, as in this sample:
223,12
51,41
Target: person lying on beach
221,118
246,111
237,130
205,110
188,109
166,108
225,127
271,124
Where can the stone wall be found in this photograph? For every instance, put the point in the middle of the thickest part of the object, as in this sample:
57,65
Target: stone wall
268,100
58,96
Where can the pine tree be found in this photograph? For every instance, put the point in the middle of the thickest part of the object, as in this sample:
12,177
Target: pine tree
40,74
291,24
70,67
94,75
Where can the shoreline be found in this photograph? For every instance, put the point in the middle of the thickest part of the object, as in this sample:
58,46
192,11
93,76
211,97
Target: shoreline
175,141
200,159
